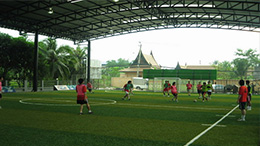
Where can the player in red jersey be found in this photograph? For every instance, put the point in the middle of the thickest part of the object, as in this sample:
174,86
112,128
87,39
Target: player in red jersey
174,92
127,88
199,89
166,88
189,86
89,87
242,99
82,99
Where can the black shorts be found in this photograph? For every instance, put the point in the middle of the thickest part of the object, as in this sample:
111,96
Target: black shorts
0,96
242,105
249,98
82,101
199,91
209,93
174,94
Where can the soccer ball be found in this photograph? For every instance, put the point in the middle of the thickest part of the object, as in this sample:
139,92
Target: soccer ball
194,100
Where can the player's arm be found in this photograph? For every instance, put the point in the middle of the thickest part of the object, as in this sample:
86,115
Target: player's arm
84,89
124,87
239,96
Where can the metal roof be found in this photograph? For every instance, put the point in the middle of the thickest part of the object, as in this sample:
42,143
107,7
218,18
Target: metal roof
82,20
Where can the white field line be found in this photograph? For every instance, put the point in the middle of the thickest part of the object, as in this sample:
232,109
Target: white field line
216,125
212,126
26,101
172,106
230,116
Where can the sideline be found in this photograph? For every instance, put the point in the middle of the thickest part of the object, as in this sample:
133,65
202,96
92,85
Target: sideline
212,126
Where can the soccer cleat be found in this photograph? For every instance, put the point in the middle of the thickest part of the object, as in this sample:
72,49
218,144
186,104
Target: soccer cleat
80,113
90,112
241,119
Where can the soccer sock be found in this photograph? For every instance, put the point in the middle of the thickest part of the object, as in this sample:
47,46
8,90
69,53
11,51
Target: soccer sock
243,117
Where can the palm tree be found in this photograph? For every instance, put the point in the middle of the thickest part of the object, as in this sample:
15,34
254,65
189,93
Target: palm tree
77,60
55,57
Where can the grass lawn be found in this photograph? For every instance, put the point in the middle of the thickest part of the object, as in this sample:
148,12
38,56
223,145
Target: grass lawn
148,119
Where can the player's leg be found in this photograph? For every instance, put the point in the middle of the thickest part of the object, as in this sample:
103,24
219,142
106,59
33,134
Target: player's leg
249,102
176,97
0,98
81,109
128,96
173,96
88,106
242,106
164,92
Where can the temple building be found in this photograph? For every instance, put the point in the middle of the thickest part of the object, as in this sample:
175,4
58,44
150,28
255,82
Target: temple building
142,61
202,67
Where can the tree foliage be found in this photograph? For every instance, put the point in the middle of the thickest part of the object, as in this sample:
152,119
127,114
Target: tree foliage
112,69
225,69
55,57
239,67
247,59
16,57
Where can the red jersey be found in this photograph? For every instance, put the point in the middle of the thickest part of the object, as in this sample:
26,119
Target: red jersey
199,86
167,86
81,90
174,89
243,93
189,86
89,85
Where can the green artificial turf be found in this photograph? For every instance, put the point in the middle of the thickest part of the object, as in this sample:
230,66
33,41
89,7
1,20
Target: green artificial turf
148,119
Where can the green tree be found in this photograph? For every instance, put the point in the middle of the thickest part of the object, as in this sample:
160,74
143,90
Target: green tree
241,66
121,63
251,55
248,59
5,51
77,59
225,70
113,67
23,61
55,57
112,70
16,58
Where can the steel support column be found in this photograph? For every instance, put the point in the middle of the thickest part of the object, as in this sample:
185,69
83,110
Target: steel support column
35,62
89,60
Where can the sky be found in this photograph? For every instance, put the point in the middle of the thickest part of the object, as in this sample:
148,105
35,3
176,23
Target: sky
191,46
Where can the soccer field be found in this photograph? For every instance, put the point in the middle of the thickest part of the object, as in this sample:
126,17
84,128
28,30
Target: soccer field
148,119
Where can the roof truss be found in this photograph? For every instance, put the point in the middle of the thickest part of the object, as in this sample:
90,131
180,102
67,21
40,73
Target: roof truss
92,19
